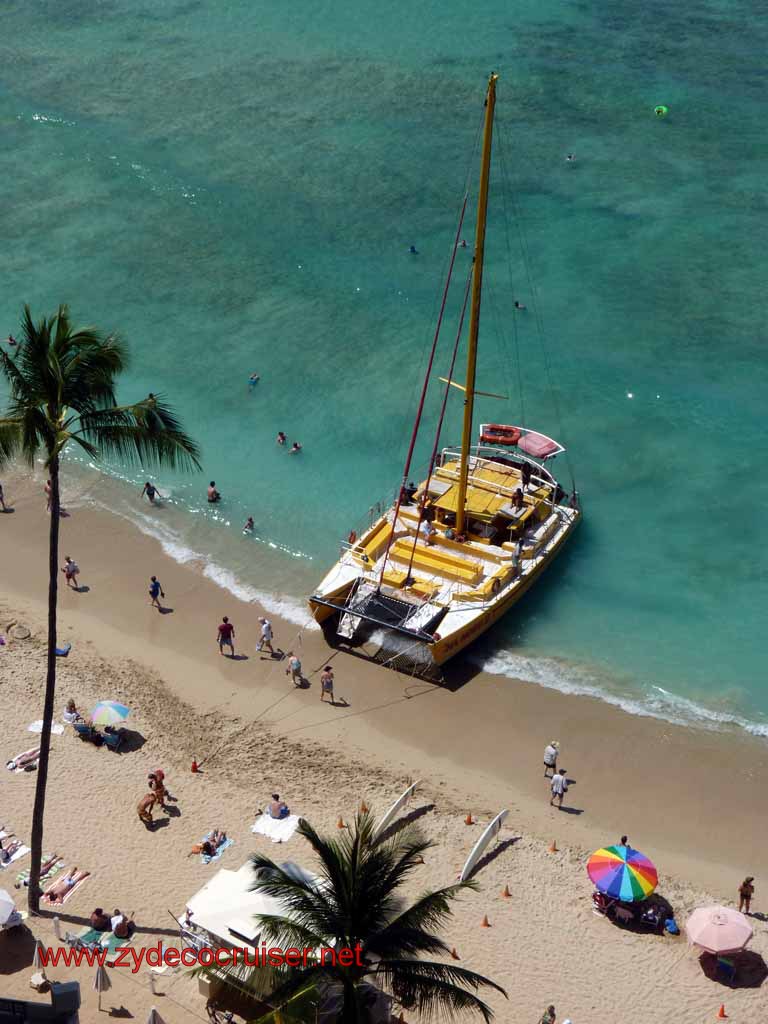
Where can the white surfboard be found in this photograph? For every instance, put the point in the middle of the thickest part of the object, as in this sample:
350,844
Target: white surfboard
480,846
396,807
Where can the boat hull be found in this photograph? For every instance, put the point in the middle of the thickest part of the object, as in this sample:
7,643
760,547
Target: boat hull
427,657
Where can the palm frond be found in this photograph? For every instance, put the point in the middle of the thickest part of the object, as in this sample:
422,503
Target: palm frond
147,432
436,991
430,911
10,440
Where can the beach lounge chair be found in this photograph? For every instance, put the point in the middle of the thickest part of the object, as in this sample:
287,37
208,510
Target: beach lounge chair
623,915
726,969
114,738
88,733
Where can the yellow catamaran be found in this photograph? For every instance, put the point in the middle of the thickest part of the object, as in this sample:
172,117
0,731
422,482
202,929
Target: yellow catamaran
455,553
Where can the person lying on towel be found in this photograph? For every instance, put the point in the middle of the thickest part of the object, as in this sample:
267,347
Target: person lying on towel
59,890
209,846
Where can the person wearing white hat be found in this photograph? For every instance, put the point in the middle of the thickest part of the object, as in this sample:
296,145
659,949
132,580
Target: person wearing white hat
550,757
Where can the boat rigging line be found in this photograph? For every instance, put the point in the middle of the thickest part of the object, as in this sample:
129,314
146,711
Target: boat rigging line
433,459
425,385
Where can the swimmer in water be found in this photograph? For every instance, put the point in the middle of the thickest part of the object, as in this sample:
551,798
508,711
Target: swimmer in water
253,380
248,528
519,305
11,340
462,244
571,157
295,447
150,490
213,494
413,251
281,438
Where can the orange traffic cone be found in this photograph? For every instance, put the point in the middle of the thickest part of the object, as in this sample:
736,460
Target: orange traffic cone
721,1014
468,820
364,807
485,922
340,823
195,769
506,894
553,847
454,954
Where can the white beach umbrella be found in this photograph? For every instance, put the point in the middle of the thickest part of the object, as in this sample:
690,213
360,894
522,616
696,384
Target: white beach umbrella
7,906
154,1017
101,982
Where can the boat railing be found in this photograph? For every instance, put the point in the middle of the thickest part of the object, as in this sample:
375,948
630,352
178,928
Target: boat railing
485,454
375,512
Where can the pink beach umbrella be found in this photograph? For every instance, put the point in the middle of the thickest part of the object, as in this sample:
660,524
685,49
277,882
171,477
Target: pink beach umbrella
718,930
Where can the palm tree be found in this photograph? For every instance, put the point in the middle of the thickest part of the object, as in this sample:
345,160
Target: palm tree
356,903
61,385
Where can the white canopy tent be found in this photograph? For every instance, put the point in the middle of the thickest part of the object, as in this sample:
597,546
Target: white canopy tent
225,907
223,910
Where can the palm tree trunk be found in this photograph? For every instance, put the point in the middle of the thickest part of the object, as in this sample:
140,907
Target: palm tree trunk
50,693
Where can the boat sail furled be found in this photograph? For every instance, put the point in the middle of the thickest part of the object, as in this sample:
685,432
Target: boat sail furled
455,552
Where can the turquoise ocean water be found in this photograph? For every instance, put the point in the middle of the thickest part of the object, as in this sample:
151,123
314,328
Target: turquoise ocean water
234,187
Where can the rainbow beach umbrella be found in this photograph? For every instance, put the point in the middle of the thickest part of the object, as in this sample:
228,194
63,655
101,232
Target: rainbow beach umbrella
623,873
109,712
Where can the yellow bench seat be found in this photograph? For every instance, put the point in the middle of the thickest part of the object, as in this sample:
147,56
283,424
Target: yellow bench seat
486,592
436,561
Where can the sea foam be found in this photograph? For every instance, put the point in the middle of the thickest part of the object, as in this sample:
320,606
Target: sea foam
581,681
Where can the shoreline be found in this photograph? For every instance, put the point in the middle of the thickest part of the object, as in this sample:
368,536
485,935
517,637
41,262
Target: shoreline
206,543
640,775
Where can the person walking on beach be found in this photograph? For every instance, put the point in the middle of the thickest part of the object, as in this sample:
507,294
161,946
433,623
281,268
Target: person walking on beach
548,1017
266,636
294,669
71,570
550,758
326,683
624,841
226,636
47,490
155,592
746,892
559,788
150,490
2,499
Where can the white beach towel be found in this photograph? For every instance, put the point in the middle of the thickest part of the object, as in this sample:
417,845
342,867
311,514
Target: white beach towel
279,830
38,727
21,852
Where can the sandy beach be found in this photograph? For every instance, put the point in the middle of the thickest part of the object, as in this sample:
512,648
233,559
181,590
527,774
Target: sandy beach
686,798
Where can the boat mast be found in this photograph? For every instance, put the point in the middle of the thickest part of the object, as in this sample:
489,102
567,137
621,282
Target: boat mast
474,315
